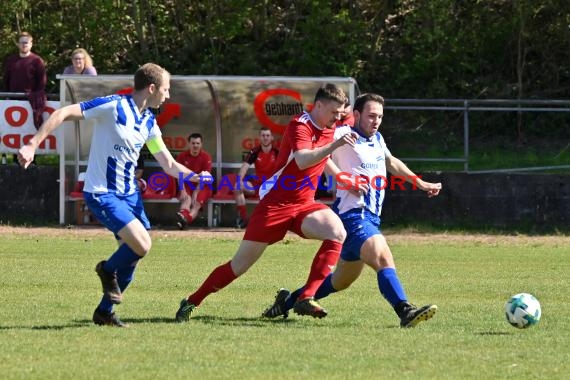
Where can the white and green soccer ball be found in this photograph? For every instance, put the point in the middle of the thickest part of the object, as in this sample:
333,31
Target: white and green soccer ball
523,310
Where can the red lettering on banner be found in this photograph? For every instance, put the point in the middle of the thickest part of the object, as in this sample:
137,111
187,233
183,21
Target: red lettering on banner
16,141
50,139
175,143
11,141
249,143
22,116
167,112
260,109
180,142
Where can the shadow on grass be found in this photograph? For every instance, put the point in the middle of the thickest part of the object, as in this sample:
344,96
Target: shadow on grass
493,333
205,319
71,325
212,320
240,321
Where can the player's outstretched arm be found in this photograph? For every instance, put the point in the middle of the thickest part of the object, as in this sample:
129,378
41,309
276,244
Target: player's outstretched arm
396,167
308,157
27,152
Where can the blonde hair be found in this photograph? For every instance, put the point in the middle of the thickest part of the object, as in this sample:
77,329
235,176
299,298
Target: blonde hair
147,74
87,57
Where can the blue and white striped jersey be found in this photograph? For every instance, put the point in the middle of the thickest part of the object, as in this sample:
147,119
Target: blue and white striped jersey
119,133
366,158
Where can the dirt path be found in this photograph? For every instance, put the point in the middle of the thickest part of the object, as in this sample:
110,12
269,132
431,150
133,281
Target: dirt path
231,233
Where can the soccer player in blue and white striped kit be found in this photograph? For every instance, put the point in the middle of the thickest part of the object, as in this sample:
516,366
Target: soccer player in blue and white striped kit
359,207
122,125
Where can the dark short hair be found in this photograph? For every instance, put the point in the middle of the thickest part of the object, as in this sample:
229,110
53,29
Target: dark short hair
195,136
330,92
362,99
147,74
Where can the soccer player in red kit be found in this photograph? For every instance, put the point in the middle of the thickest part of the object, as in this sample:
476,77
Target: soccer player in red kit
287,204
263,156
192,197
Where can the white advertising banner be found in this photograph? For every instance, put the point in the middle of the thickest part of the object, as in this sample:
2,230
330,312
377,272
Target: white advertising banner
17,126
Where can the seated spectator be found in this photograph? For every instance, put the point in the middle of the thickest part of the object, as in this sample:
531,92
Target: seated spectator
263,156
81,63
192,198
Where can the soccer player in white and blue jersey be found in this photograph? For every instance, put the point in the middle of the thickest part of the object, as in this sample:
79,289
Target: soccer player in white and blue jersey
361,173
122,125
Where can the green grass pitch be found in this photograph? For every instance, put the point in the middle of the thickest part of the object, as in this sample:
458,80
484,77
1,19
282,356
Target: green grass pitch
48,291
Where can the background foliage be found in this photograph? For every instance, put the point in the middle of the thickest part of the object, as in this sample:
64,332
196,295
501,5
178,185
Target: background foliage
405,48
473,49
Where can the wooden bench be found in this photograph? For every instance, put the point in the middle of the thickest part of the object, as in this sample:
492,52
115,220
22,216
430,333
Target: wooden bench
84,216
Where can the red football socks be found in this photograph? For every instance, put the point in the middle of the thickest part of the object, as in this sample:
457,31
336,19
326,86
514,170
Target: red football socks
323,264
220,277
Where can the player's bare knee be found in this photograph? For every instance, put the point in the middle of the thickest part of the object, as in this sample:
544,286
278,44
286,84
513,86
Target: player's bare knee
339,234
143,247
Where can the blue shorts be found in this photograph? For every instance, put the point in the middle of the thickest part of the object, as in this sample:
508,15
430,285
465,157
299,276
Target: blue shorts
115,211
359,226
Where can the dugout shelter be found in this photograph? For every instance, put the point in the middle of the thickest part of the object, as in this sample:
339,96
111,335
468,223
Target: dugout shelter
227,110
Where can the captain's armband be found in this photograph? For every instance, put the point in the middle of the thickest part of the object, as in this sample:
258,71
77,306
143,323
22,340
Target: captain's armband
156,145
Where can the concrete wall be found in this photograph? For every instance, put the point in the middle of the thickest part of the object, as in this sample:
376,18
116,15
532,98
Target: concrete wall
29,196
537,202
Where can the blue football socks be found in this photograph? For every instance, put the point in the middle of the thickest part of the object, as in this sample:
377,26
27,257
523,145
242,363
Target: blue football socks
122,258
390,286
324,290
124,262
124,277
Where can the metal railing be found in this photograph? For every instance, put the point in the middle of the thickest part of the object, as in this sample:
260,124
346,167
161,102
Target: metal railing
23,96
479,105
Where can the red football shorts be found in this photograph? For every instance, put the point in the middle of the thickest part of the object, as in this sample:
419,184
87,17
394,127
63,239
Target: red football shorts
205,192
270,221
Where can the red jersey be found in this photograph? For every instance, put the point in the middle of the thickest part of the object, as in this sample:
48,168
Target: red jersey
264,161
201,162
349,120
290,184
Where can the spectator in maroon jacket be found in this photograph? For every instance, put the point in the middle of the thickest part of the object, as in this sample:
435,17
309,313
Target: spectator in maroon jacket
26,72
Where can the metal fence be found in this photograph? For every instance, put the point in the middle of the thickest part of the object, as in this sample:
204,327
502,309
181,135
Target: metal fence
482,105
465,106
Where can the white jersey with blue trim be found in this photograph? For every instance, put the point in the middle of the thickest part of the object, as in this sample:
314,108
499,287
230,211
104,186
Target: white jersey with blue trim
119,133
367,158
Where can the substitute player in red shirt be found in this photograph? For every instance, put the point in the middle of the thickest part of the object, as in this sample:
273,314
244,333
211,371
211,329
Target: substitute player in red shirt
287,204
263,156
346,116
192,198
